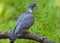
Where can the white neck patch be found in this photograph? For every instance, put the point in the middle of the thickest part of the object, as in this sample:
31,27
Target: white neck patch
29,10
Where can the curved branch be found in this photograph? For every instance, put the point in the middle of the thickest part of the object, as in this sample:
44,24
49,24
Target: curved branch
30,36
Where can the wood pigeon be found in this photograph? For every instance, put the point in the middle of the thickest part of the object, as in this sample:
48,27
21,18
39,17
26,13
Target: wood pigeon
25,21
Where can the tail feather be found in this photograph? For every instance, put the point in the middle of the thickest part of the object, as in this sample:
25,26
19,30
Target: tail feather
13,37
11,41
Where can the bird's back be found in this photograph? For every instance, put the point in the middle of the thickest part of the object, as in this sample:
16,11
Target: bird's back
24,22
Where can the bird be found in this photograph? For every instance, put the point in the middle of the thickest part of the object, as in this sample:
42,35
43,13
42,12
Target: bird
25,21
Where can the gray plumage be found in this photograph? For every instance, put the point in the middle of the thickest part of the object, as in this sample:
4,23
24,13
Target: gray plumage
25,21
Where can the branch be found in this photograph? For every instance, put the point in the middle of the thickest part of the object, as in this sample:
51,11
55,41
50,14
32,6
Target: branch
30,36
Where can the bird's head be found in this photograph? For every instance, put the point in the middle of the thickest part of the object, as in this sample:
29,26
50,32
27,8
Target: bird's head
31,7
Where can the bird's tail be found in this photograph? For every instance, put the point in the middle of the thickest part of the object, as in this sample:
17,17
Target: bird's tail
11,41
13,38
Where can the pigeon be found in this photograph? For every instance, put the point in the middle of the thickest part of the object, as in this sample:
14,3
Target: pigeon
25,21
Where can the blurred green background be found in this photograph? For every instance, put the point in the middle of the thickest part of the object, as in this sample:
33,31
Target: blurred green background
47,18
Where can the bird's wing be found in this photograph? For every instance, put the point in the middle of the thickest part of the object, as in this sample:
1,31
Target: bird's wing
18,23
24,24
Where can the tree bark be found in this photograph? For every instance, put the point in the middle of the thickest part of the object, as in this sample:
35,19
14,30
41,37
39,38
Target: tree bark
30,36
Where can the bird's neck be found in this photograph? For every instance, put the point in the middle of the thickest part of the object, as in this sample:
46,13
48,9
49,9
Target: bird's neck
30,10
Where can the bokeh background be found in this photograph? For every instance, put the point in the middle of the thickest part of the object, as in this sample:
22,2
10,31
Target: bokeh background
47,18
